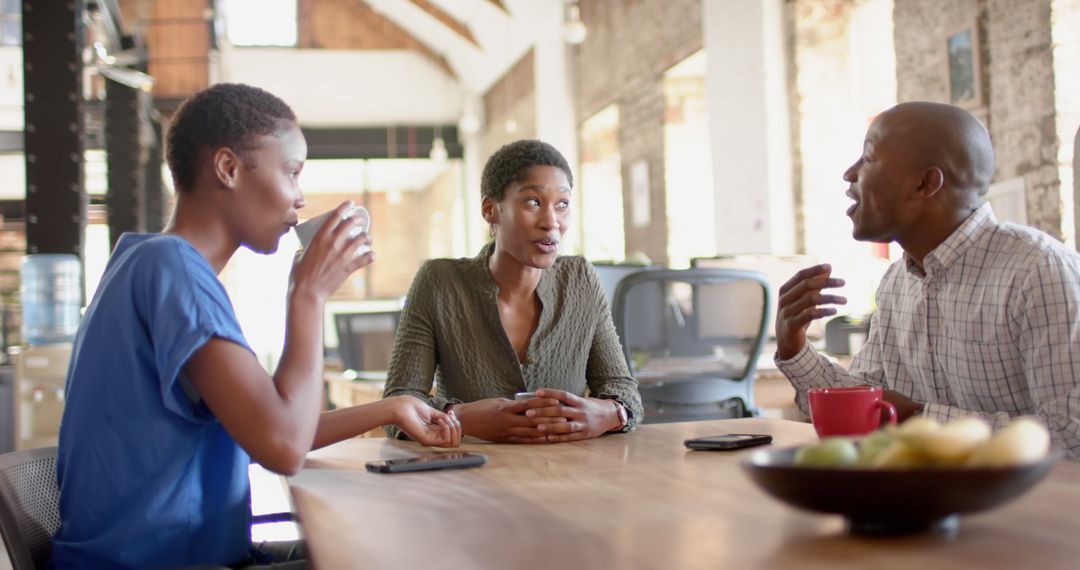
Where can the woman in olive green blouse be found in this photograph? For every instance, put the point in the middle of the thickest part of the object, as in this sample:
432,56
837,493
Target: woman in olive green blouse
517,318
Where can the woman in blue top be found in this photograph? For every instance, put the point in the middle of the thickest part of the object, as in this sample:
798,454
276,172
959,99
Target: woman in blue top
166,402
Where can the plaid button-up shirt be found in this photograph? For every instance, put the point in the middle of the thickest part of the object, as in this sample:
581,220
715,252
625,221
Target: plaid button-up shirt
990,327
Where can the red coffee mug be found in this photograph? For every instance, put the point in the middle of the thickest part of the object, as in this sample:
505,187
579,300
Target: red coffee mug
851,411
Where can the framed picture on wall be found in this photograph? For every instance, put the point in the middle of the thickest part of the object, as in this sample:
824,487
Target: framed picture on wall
963,67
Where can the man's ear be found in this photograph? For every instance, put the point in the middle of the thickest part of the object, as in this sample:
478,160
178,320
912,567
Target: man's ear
490,210
931,182
226,165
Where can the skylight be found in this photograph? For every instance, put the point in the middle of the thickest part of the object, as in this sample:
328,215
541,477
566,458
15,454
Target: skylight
260,22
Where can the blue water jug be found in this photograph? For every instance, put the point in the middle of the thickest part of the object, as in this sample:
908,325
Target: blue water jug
51,292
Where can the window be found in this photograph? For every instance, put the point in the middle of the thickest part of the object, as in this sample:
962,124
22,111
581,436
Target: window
261,22
600,188
10,23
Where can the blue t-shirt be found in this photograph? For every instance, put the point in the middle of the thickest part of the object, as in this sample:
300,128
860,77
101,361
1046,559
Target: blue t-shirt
148,477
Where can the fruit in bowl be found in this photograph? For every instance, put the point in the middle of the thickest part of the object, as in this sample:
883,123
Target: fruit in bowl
923,442
831,452
910,478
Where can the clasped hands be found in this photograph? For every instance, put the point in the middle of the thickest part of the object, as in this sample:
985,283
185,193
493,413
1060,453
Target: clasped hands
553,416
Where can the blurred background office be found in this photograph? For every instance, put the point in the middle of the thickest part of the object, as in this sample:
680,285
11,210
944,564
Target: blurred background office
712,130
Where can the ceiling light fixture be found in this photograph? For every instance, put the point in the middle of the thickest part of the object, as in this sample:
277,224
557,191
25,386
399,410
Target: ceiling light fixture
469,123
574,31
438,147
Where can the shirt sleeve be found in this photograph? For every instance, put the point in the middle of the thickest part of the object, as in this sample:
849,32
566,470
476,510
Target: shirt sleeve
411,371
1048,319
810,369
606,372
184,307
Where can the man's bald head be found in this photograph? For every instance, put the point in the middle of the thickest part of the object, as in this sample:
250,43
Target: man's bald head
946,137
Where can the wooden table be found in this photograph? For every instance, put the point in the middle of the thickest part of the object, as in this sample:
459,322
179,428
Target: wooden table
636,501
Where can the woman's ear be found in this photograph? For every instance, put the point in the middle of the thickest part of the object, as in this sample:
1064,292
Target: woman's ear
226,165
490,210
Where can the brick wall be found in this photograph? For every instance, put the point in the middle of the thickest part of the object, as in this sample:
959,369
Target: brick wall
408,227
398,228
437,215
1018,85
630,45
630,40
641,137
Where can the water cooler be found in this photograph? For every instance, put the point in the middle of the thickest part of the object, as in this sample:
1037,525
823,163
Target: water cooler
40,373
51,294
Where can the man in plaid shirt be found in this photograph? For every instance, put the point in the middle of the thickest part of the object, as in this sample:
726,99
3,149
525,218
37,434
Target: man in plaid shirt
980,317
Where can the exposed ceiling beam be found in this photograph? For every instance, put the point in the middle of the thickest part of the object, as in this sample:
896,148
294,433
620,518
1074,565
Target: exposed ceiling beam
498,4
446,20
133,13
440,61
423,46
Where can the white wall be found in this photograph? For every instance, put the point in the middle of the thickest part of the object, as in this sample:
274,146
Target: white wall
11,88
748,116
349,88
556,122
845,78
1065,22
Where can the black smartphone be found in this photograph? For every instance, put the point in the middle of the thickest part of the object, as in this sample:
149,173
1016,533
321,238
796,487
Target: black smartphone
727,441
450,460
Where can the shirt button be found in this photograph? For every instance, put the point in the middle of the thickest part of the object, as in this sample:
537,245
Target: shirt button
528,360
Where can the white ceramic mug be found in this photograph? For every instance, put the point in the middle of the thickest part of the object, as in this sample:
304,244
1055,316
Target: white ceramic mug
307,230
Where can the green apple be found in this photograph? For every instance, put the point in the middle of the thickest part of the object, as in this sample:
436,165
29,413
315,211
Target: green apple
831,452
872,445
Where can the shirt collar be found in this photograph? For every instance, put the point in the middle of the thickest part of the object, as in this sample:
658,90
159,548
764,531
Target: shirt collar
956,245
545,289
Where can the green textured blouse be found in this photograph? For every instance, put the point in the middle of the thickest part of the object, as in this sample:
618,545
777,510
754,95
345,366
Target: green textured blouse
450,333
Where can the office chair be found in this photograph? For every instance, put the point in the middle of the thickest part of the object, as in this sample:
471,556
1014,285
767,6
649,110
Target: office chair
29,506
612,273
692,338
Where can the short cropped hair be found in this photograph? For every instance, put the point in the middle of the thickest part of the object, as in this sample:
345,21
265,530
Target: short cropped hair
224,115
512,162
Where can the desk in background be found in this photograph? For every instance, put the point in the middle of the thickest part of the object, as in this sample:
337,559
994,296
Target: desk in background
355,389
638,500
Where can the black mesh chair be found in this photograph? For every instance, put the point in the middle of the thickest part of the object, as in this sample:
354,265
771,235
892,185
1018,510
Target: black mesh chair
692,338
612,273
30,509
29,506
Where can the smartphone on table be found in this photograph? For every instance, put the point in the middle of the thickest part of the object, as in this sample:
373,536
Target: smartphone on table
449,460
727,442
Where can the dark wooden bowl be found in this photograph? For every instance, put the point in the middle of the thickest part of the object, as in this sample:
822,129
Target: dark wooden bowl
892,501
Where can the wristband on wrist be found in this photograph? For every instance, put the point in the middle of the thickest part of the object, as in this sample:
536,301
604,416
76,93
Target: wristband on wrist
621,410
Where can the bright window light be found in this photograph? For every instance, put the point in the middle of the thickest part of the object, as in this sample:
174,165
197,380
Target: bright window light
261,22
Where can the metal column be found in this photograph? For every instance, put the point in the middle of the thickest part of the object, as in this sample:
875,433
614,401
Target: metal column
125,120
56,200
155,208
